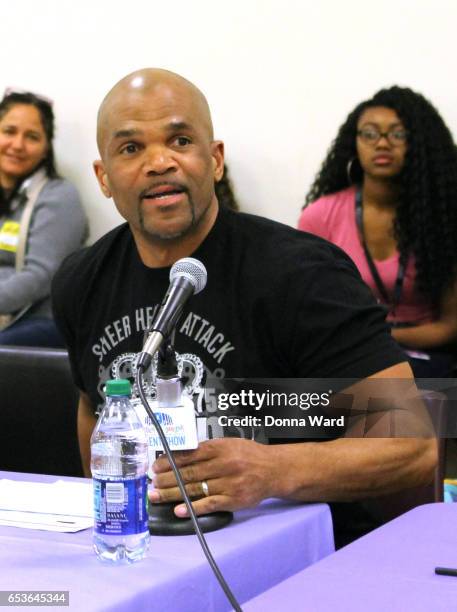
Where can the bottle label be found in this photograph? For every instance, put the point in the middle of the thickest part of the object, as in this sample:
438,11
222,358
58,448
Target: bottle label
120,506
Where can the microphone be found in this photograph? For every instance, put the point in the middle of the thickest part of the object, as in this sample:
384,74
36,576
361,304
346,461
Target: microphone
187,277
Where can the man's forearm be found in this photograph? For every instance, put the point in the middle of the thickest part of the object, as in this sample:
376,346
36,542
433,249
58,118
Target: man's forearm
350,469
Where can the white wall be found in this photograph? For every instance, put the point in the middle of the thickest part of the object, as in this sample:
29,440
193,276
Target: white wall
280,75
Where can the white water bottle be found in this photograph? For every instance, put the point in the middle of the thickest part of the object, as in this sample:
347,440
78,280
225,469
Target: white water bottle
119,462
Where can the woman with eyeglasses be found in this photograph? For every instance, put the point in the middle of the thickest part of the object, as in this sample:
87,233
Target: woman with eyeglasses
41,221
387,195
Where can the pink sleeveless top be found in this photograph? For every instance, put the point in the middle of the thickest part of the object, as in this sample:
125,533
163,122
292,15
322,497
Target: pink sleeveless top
333,217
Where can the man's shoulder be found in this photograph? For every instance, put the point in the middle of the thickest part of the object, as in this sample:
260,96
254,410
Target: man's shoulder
248,225
285,245
89,260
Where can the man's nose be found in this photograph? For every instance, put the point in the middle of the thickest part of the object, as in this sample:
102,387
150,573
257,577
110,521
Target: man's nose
159,160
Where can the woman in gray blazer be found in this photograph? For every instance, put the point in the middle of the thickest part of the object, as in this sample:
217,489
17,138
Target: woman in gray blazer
41,220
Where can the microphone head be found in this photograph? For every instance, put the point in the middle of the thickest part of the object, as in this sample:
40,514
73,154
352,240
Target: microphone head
192,269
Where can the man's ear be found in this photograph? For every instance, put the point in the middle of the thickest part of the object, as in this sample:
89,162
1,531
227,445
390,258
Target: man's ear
102,177
217,151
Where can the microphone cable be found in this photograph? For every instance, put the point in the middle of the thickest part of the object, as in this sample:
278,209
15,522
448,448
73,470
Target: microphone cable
217,572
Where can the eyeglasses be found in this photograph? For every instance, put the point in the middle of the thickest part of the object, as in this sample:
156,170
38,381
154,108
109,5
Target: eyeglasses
371,136
16,90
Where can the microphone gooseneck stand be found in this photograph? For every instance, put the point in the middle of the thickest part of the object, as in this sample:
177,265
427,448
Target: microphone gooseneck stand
193,517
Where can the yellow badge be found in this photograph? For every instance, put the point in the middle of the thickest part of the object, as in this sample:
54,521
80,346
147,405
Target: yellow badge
9,236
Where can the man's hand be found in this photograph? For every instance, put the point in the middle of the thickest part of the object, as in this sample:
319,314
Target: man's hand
239,474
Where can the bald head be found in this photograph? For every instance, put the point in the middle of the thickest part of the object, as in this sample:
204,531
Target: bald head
159,160
142,84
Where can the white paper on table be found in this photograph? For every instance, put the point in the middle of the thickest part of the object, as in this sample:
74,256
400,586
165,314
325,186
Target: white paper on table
58,506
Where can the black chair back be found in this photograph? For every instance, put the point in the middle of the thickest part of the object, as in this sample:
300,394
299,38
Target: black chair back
38,411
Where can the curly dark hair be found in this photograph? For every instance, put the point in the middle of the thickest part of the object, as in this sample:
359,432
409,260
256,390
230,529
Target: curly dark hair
47,120
426,220
224,192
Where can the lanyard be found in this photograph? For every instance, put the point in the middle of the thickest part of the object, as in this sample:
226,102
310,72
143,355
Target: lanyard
392,303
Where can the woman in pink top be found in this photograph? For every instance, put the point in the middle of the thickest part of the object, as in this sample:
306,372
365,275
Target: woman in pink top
387,195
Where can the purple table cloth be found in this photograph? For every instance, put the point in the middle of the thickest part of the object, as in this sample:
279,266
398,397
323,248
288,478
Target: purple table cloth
389,570
259,549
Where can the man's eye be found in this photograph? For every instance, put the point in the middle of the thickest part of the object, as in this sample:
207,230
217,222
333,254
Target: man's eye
182,141
129,148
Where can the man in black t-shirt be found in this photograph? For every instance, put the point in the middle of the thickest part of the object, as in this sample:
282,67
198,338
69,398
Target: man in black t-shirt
278,303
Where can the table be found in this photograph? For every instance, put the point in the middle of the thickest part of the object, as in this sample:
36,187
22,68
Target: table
390,569
261,547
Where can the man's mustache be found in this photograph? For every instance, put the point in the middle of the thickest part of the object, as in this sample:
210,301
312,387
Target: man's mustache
148,192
